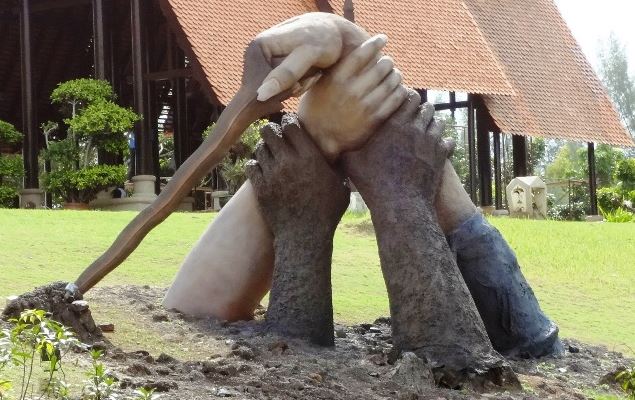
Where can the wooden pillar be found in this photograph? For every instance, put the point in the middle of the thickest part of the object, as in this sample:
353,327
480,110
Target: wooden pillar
349,10
471,147
592,179
101,40
484,160
144,163
182,140
453,104
29,118
519,147
498,189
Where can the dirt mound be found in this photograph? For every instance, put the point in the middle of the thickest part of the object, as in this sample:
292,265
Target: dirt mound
65,307
241,360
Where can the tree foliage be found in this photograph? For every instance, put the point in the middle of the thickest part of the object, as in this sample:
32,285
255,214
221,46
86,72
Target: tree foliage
9,134
618,82
94,122
11,167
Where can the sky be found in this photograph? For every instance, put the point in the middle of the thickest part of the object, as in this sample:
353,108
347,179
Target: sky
592,21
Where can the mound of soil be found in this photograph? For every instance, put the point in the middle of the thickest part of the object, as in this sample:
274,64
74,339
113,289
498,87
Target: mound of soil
69,309
243,361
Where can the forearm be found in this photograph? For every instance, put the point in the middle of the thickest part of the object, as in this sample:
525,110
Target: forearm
428,298
509,309
300,301
453,205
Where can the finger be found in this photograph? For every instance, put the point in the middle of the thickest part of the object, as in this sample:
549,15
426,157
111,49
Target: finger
271,134
289,72
254,173
359,58
392,103
373,77
375,99
294,134
264,157
426,112
450,146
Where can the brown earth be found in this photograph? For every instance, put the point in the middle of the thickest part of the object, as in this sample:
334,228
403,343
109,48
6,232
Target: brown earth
190,358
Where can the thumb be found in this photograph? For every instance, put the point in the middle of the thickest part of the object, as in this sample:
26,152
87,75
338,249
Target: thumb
289,72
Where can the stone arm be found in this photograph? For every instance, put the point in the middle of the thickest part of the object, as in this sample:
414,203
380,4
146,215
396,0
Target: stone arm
302,200
398,173
510,311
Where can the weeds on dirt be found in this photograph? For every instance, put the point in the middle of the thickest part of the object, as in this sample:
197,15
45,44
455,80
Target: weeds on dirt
35,339
626,379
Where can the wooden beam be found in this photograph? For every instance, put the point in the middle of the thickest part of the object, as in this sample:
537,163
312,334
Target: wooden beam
498,189
593,195
45,5
323,6
29,119
483,150
144,164
169,75
450,106
519,147
349,10
471,143
101,40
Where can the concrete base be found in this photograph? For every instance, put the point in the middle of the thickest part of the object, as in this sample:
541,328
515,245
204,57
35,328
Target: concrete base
594,218
143,195
32,198
134,204
357,204
216,199
500,213
487,210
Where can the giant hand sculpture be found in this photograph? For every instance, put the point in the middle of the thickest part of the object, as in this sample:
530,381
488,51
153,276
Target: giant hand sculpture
315,40
229,270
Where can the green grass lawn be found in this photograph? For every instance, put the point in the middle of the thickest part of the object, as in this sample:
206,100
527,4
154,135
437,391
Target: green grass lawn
583,273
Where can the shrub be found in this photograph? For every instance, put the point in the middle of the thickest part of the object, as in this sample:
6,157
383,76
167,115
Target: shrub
82,186
95,123
9,134
232,168
609,198
625,173
11,167
626,379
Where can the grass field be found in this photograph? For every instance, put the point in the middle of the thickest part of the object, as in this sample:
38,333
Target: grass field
583,273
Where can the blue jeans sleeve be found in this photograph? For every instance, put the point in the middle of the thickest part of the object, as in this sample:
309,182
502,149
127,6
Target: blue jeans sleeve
510,311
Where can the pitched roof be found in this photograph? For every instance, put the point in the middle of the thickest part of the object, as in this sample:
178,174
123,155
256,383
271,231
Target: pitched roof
557,92
518,54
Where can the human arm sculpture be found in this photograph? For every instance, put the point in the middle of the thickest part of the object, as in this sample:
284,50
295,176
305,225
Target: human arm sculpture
229,270
302,199
398,173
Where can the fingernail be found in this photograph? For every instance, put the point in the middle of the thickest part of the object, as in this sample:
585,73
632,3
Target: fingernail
268,89
382,39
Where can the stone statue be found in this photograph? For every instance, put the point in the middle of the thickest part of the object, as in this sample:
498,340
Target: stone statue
356,120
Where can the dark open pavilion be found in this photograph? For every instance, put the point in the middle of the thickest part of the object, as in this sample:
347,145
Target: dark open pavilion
181,59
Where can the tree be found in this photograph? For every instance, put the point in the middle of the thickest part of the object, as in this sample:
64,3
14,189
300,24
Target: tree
615,76
94,122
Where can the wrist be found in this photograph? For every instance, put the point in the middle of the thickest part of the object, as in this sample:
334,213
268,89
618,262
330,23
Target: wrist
453,205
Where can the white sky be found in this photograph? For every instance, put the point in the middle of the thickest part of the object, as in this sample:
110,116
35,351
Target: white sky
592,21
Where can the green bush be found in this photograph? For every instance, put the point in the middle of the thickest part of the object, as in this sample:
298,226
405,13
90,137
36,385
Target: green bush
626,379
609,198
8,133
625,173
11,167
82,186
232,168
94,123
